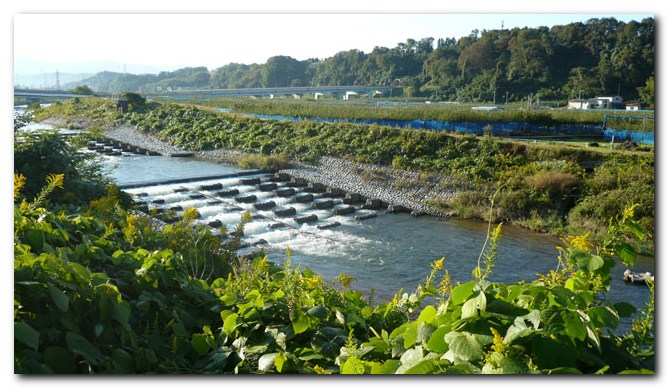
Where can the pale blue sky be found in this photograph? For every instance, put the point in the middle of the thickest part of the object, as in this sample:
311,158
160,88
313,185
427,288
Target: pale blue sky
213,40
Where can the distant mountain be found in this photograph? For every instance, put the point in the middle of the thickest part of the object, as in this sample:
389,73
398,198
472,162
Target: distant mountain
29,66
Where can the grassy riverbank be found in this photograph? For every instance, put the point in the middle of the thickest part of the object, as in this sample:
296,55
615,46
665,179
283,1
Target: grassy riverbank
553,188
369,109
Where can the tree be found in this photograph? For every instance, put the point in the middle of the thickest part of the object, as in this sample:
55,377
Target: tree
83,89
647,93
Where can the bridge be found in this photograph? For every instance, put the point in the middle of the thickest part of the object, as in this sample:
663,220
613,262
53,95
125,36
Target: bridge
340,91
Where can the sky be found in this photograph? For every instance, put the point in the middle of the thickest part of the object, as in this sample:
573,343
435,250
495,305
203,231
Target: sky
169,41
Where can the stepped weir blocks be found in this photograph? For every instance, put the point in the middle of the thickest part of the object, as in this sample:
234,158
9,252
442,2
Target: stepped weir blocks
343,210
297,182
265,205
397,208
304,197
320,205
315,187
246,198
285,192
362,217
354,198
305,219
266,186
329,225
215,186
250,181
228,193
373,204
287,212
280,177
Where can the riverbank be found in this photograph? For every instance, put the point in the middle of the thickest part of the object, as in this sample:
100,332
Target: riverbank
409,190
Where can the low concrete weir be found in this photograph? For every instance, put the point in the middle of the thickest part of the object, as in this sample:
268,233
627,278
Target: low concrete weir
278,204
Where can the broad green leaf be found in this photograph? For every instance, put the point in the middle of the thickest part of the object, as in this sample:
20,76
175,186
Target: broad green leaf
550,353
423,367
81,346
409,359
60,360
200,344
427,314
410,335
462,346
638,230
603,316
437,342
26,335
230,324
387,368
624,309
564,371
573,326
121,312
318,311
300,323
626,253
266,361
279,361
462,292
637,372
59,298
353,366
473,305
229,299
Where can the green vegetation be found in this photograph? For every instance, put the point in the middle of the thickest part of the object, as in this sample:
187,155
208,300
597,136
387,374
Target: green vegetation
437,112
553,188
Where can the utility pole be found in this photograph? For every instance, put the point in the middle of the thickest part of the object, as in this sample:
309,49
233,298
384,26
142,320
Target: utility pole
506,97
57,80
494,102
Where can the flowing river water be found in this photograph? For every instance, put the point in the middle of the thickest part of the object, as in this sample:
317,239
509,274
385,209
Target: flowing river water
384,254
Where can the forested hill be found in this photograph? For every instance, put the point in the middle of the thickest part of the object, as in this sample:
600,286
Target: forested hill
599,57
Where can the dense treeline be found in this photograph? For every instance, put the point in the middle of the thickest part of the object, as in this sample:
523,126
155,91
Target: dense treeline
598,57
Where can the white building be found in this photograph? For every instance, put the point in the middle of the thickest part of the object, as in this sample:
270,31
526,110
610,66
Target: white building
606,102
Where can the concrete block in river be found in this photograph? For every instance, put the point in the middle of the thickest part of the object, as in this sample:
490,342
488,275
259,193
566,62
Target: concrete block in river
266,186
297,182
397,208
176,208
353,198
215,186
265,205
287,212
250,181
346,209
323,204
285,192
303,197
372,204
336,192
228,192
214,202
305,219
362,217
246,198
196,196
158,201
216,224
329,225
315,187
280,177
